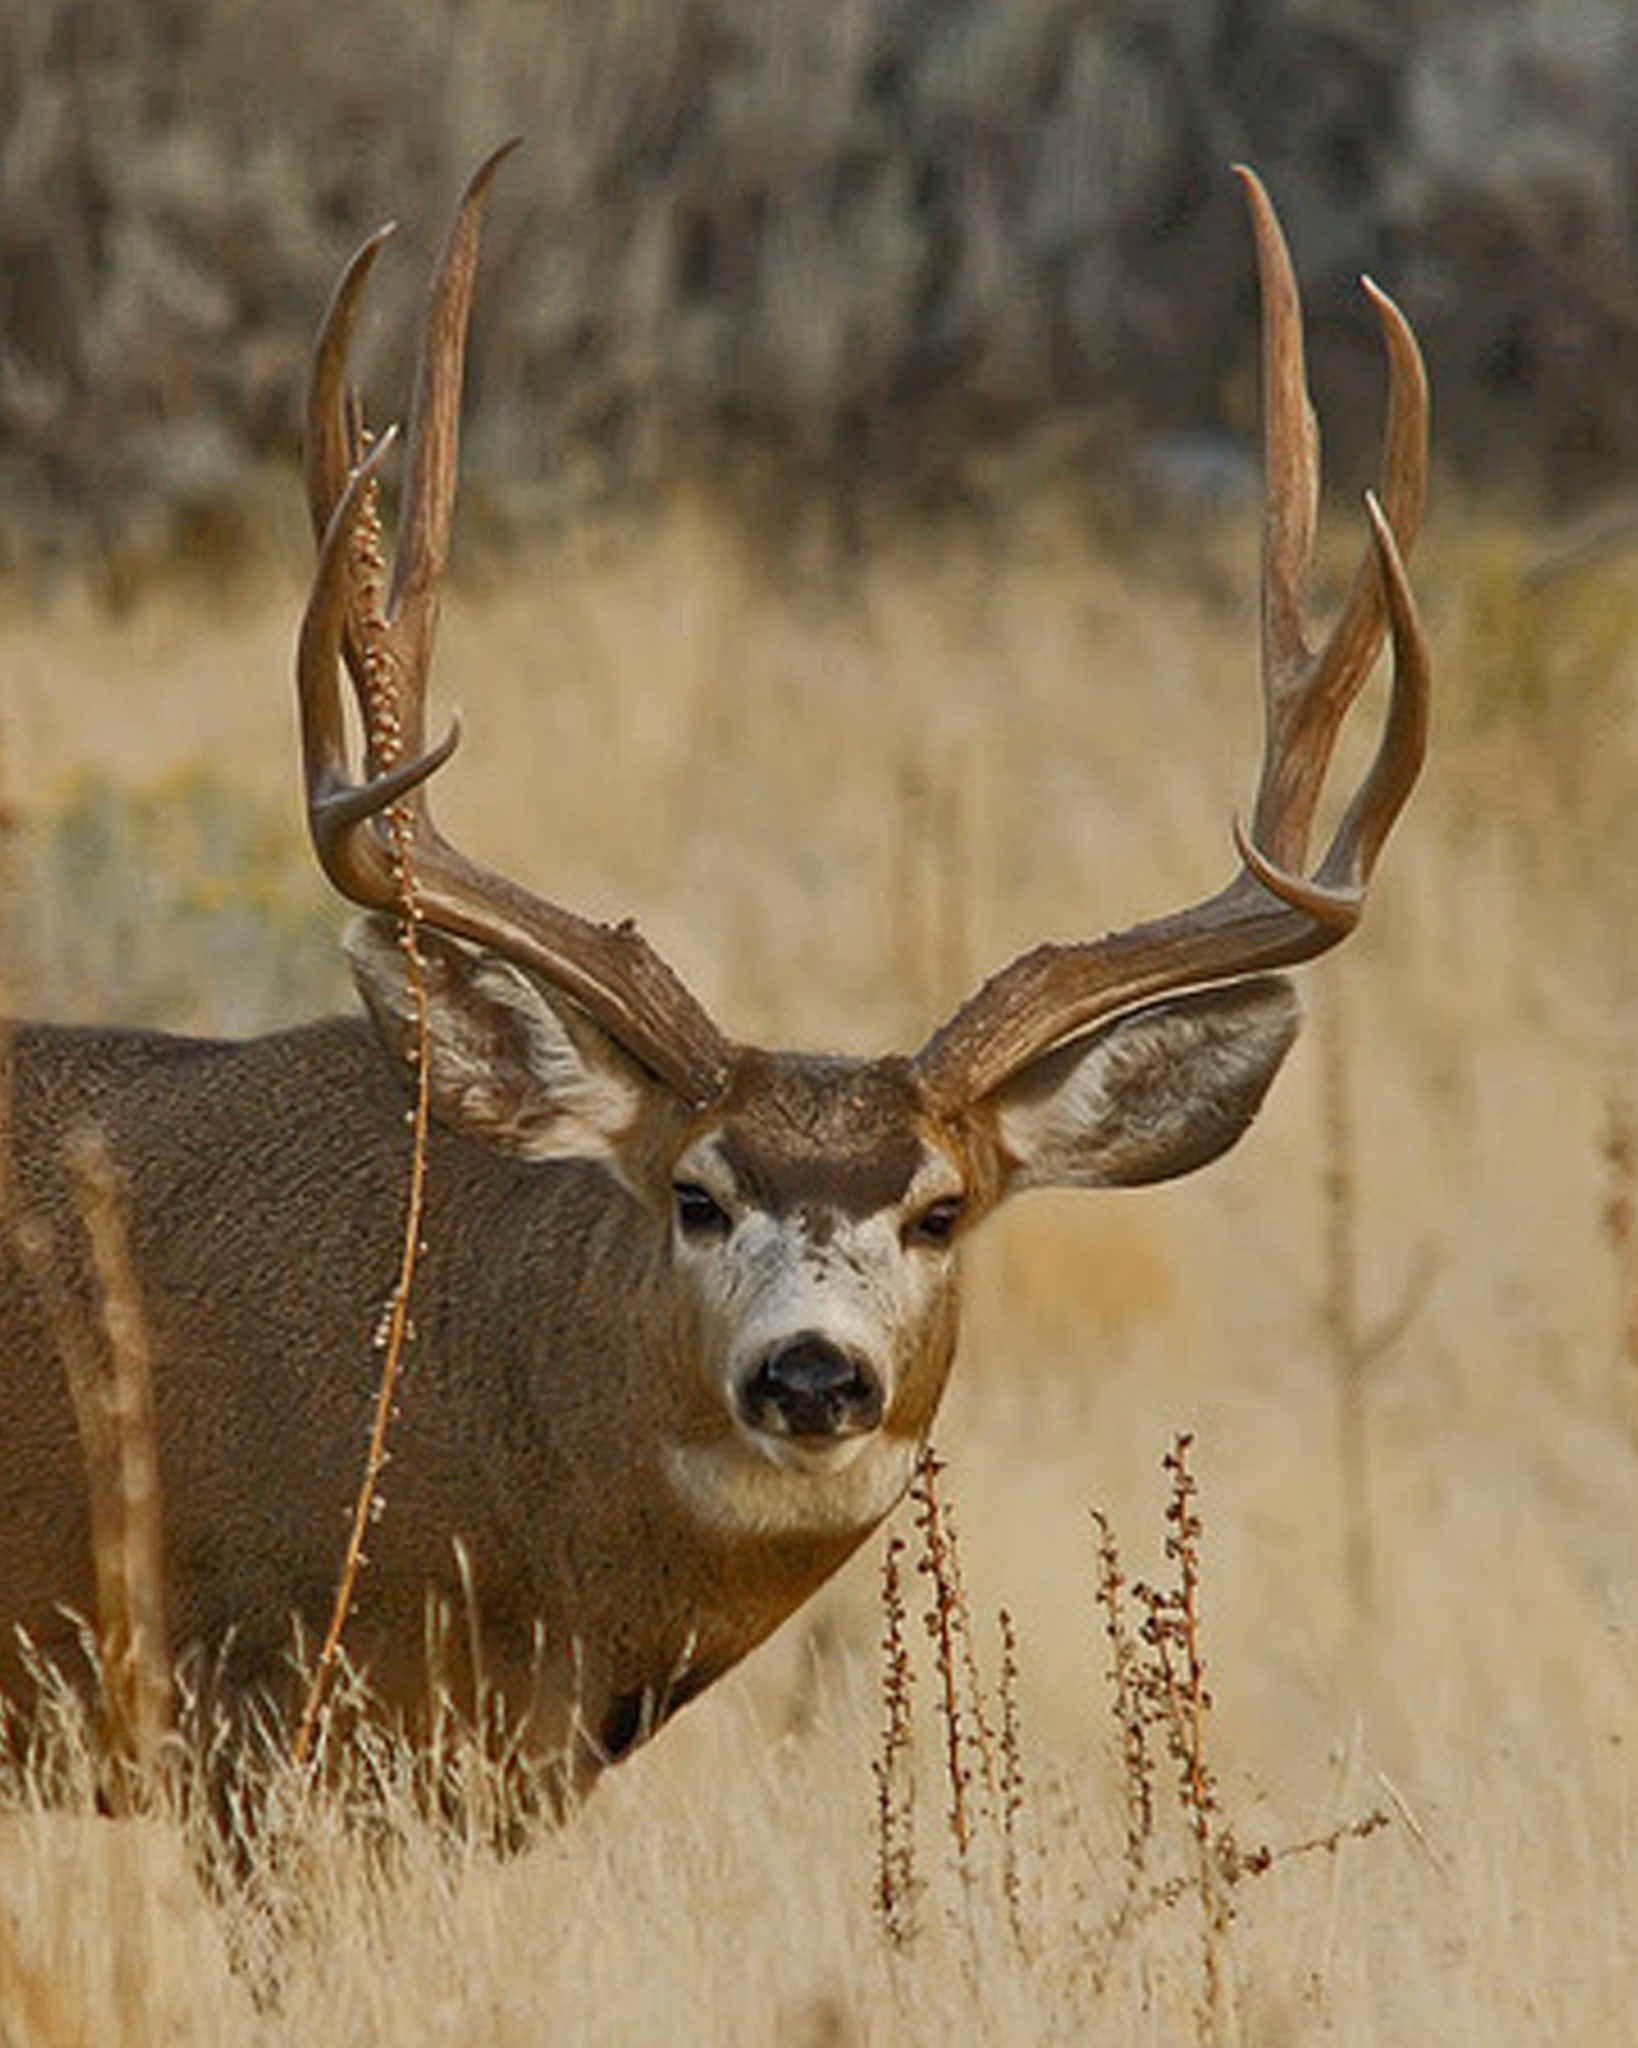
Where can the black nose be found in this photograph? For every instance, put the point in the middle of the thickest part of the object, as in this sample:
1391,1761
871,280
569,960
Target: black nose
810,1387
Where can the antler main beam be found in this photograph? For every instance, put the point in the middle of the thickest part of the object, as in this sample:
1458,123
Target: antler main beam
1276,911
385,639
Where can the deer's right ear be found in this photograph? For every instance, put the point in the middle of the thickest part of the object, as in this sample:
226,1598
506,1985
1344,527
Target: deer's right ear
514,1063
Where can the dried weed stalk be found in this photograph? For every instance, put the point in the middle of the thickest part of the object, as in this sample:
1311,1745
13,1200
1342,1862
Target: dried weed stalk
1172,1680
396,1330
132,1761
894,1765
1129,1706
1012,1773
1621,1227
1355,1346
948,1621
108,1365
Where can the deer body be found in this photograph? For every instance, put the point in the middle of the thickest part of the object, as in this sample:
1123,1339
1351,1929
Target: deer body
545,1426
578,1431
684,1309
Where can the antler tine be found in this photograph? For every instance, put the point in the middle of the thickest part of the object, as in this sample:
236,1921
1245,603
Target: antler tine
1363,832
1307,695
332,444
1275,912
387,649
434,438
335,437
1290,461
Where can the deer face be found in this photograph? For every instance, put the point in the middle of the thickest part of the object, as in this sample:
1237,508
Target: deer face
814,1226
814,1245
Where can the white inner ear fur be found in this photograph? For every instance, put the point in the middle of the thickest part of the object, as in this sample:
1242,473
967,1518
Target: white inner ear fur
1153,1095
513,1063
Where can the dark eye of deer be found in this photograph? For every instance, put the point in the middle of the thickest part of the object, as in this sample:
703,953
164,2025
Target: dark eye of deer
936,1224
699,1213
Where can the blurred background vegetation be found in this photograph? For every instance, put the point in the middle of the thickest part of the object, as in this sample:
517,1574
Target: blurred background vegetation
823,253
865,390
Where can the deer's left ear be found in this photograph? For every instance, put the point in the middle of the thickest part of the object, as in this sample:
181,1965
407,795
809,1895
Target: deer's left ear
1150,1096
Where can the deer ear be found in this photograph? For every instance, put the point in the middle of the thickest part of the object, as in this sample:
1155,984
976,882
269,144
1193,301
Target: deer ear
514,1063
1153,1095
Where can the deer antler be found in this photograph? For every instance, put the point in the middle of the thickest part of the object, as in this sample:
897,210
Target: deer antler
1276,911
386,645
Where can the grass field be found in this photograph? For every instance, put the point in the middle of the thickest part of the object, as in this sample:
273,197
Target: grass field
1399,1321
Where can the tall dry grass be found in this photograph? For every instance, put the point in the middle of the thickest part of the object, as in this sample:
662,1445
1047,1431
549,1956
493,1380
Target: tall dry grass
976,741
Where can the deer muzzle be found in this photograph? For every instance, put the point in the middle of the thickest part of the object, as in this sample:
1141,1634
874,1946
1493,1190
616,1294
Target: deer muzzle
813,1391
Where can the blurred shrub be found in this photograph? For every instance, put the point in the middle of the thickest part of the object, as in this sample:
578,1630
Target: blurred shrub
187,905
810,246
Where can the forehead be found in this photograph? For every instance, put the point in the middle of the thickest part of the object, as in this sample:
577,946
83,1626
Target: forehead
846,1134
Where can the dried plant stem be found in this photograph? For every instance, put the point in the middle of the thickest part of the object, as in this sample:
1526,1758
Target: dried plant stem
894,1766
1356,1347
1170,1682
1218,1859
137,1655
108,1366
933,870
1012,1775
947,1626
1350,1354
1621,1229
369,1500
979,1740
1131,1712
397,1328
1183,1548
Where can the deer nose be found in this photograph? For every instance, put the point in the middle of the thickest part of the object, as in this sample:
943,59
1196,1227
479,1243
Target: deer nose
810,1387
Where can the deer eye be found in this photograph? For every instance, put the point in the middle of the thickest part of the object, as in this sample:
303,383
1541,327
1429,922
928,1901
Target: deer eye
699,1214
934,1226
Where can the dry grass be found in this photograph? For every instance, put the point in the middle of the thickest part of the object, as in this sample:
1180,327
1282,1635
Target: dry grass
653,725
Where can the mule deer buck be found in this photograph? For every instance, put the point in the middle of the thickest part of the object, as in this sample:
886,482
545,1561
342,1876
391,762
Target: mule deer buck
685,1308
